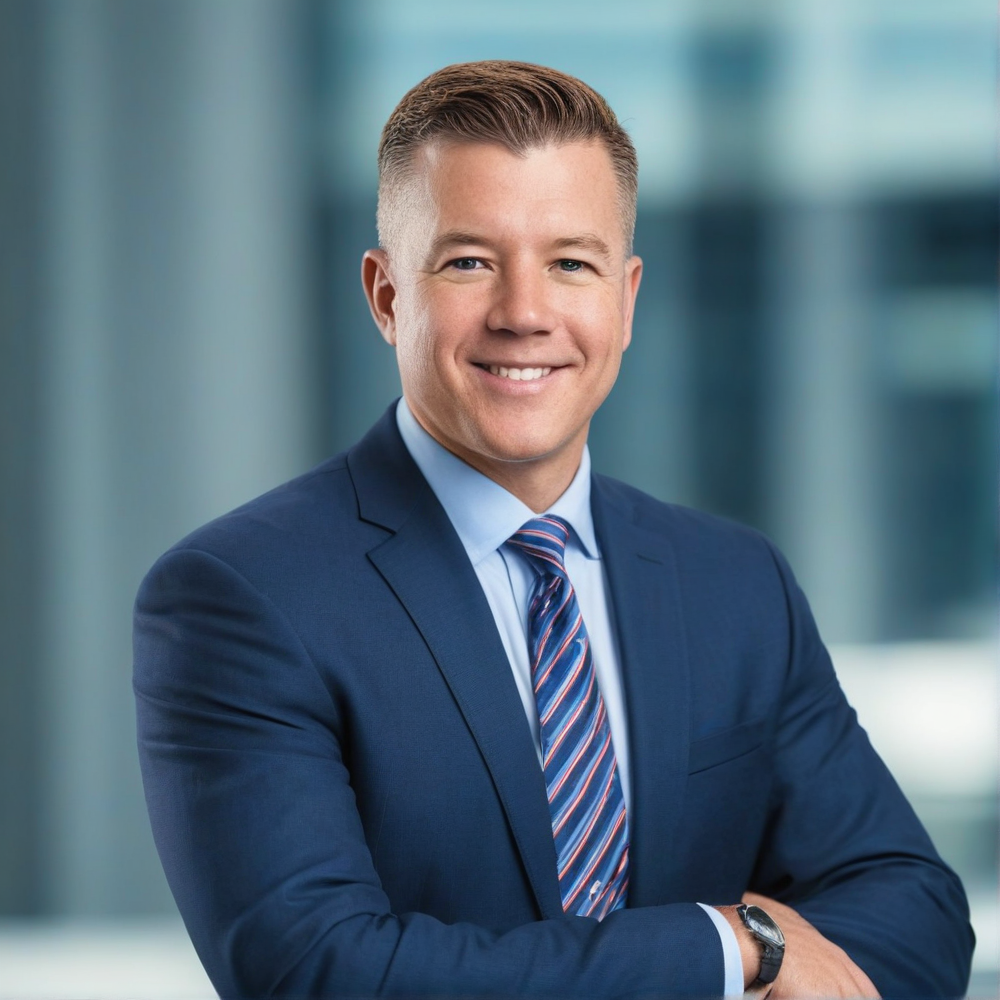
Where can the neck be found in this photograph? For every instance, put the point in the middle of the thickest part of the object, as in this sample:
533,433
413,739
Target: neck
538,484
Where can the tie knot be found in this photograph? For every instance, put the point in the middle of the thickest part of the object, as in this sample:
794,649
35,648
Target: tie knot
543,540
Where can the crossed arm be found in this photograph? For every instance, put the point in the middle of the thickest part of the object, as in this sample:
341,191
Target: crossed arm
813,966
254,813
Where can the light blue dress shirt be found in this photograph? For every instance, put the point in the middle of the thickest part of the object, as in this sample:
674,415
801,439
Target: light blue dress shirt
484,516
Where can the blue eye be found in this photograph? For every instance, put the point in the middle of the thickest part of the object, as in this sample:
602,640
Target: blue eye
465,263
571,265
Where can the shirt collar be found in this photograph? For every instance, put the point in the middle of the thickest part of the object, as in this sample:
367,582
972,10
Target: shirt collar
483,513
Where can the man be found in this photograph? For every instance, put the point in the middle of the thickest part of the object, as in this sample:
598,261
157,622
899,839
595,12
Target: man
450,716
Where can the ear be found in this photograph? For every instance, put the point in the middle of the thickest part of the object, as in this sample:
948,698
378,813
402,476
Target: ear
633,275
380,291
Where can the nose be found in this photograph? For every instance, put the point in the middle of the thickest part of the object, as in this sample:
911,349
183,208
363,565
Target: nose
522,302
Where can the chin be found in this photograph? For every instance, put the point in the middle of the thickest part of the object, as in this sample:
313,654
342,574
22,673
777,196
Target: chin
519,448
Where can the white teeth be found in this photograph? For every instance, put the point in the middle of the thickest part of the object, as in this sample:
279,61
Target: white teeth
519,374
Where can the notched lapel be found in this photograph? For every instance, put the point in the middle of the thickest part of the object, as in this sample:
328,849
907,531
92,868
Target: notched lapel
426,566
645,599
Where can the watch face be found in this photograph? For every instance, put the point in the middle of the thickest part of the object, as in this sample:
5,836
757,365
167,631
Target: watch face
764,927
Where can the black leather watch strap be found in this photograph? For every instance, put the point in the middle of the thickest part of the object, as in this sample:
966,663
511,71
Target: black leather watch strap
767,933
770,965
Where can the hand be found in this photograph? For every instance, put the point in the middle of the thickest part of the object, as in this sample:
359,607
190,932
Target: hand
812,966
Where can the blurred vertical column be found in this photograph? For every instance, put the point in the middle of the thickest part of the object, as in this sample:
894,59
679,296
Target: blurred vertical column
731,56
818,405
170,342
20,201
361,372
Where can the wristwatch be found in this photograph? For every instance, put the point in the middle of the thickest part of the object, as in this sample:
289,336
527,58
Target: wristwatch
768,933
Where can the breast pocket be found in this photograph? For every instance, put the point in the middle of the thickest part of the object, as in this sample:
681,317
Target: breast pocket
724,746
725,811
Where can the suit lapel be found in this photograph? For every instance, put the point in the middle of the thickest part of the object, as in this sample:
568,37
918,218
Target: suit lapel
426,566
645,599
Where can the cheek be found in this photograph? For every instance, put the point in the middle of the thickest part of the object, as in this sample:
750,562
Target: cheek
422,345
415,358
598,319
454,308
605,343
442,322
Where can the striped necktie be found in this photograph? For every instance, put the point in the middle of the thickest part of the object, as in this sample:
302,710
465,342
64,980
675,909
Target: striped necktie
589,824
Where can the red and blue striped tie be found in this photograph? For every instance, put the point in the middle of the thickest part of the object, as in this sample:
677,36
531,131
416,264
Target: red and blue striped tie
581,774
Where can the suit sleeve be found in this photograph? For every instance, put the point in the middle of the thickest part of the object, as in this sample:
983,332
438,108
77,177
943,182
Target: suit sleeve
255,821
843,845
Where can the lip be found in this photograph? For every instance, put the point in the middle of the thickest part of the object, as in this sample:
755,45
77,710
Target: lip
516,364
515,386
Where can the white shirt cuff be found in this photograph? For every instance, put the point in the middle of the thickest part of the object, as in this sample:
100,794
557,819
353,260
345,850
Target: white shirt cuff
730,952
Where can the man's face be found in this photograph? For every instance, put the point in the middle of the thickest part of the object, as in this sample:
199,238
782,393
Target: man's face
508,297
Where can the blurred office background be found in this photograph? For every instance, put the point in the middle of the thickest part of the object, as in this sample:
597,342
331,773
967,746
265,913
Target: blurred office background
186,187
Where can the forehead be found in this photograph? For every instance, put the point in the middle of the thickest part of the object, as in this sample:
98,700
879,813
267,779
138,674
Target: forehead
553,187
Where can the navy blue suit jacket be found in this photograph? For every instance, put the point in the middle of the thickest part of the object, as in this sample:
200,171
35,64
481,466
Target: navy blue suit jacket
347,801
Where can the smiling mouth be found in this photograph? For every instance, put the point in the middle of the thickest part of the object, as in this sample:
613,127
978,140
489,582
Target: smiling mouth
516,374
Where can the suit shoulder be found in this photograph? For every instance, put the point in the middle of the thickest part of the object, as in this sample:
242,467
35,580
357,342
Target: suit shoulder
283,524
684,526
735,585
706,547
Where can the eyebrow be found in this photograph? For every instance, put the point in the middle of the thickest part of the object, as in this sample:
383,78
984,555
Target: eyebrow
586,241
457,237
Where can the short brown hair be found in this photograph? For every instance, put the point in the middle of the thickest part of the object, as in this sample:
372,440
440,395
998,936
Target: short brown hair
518,105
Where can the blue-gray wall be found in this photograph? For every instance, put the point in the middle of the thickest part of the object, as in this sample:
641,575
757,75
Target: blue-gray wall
186,187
